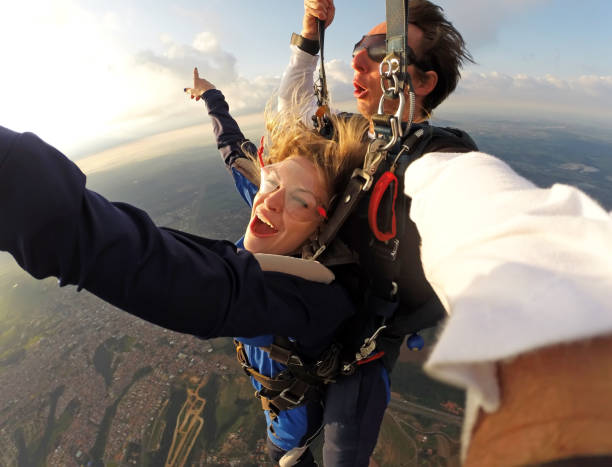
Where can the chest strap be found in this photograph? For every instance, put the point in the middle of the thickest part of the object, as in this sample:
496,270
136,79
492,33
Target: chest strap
360,183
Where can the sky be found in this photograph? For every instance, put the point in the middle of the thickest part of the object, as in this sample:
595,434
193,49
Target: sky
92,75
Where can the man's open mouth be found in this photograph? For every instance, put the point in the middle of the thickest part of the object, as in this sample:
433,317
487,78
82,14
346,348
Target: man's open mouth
359,91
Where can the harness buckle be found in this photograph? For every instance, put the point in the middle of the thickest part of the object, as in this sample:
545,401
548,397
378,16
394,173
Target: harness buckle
294,359
366,177
369,344
291,398
317,253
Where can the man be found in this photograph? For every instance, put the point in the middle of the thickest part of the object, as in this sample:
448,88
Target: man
355,404
550,404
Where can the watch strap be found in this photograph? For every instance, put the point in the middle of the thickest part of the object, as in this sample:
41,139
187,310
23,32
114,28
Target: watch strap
310,46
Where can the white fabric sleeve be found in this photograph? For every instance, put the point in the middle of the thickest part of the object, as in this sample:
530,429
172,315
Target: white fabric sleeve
297,84
517,267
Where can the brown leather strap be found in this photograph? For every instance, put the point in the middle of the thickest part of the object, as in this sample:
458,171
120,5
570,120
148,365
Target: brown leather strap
272,384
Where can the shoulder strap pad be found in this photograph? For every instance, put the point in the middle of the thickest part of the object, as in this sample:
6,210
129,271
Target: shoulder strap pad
304,268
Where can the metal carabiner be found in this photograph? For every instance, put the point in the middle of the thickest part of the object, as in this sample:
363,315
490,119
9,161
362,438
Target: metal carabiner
395,120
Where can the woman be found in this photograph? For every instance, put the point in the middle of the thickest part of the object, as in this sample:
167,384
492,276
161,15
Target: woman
182,282
289,431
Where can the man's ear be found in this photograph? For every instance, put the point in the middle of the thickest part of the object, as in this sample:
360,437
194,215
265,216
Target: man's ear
424,82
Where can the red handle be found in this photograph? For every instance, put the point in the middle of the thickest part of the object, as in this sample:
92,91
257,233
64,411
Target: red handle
377,193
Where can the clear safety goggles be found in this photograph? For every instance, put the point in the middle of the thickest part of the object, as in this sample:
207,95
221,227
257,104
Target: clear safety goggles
376,47
300,203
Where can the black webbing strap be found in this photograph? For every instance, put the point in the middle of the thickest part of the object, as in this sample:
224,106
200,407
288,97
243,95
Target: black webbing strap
346,205
360,183
323,96
321,117
289,388
285,352
297,394
397,29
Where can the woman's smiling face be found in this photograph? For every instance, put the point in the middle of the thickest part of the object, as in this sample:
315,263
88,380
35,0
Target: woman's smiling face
286,209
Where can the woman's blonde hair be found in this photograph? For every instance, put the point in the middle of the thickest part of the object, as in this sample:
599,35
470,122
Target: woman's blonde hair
336,157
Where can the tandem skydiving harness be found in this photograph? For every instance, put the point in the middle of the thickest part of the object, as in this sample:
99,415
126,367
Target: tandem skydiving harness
388,128
389,135
298,383
395,298
302,379
389,254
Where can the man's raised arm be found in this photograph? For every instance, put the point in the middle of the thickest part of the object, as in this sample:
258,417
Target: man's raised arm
297,84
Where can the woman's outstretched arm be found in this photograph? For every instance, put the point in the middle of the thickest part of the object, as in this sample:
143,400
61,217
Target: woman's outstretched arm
236,151
54,226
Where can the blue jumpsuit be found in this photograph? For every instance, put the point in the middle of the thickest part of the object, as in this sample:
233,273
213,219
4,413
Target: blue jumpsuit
54,226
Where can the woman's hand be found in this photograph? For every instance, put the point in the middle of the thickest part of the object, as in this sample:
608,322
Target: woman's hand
200,86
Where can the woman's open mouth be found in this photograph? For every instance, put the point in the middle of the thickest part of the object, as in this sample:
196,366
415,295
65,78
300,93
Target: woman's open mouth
262,227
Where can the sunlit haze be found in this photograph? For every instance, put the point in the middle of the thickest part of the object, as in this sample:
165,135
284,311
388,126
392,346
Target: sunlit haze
88,76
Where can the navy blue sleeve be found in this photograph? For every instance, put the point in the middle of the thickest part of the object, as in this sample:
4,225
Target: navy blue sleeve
232,145
54,226
230,140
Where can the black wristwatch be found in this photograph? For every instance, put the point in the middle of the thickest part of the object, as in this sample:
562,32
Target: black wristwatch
310,46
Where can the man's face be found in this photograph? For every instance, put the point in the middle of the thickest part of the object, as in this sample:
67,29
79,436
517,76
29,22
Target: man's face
366,76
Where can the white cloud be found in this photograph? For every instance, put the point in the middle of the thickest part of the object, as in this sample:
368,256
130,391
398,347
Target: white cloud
171,70
339,71
547,87
70,76
205,42
340,80
162,144
579,167
546,95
